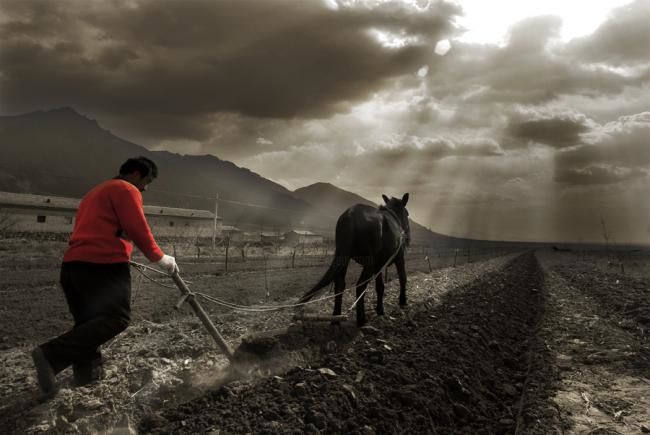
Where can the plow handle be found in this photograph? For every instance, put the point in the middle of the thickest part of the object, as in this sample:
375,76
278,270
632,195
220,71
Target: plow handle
188,297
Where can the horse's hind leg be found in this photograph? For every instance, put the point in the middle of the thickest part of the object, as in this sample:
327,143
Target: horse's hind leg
401,273
362,283
379,287
339,286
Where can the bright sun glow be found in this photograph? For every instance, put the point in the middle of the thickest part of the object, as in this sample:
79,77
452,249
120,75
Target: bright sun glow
489,21
442,47
392,40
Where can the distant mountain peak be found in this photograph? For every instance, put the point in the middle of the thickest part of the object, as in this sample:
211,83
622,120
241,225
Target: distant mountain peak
322,185
66,112
64,109
329,195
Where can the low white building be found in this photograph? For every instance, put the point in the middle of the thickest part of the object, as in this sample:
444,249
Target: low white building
21,212
232,232
271,237
300,237
181,222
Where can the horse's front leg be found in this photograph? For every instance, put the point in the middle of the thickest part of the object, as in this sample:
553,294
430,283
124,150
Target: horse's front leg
400,265
379,287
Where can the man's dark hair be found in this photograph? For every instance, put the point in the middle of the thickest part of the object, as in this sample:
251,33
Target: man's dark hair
140,164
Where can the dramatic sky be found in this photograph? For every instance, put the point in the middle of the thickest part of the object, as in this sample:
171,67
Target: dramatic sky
526,120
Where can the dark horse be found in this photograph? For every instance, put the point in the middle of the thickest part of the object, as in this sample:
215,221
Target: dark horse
374,238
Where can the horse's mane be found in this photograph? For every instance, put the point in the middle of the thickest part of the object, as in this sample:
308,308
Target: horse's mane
385,206
389,210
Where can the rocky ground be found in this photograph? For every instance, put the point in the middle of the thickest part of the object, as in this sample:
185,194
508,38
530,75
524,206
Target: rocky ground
529,343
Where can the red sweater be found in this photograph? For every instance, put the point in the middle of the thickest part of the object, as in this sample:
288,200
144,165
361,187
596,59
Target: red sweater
112,208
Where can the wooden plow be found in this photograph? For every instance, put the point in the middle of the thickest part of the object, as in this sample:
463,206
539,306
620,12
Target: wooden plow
188,296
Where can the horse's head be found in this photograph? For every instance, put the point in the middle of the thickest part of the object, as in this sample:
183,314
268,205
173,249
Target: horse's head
398,206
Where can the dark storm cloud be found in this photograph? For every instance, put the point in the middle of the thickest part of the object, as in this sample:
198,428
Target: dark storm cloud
620,150
116,57
277,59
151,126
37,20
557,130
623,39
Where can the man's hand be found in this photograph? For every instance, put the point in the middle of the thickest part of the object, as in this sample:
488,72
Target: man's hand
168,263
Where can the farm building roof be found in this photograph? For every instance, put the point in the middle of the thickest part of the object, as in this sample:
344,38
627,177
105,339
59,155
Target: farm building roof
37,201
230,228
304,233
155,210
26,200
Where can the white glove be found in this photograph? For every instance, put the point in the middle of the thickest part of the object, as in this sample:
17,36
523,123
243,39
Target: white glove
168,263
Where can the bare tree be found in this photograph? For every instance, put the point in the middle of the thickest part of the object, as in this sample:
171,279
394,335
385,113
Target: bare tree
7,222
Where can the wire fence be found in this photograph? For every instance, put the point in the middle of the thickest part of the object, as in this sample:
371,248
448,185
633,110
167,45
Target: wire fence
227,257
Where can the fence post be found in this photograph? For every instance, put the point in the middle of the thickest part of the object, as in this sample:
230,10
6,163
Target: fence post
293,258
428,262
266,276
214,228
455,256
227,249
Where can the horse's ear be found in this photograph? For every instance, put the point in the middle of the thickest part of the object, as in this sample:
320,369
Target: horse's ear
385,198
405,199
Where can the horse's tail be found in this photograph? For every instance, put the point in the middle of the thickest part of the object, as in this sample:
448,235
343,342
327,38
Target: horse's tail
339,264
342,255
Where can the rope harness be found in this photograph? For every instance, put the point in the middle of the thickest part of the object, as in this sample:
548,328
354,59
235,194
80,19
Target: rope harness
267,308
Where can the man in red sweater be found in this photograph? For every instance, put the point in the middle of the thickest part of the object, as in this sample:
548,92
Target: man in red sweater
95,273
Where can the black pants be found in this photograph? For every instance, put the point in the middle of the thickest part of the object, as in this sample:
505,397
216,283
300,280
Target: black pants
99,298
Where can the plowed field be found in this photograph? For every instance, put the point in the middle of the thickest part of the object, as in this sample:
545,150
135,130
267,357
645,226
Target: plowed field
527,343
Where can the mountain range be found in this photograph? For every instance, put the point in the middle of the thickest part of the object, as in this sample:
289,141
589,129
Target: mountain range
61,152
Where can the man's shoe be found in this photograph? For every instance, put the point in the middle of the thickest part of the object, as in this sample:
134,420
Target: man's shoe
87,373
44,372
